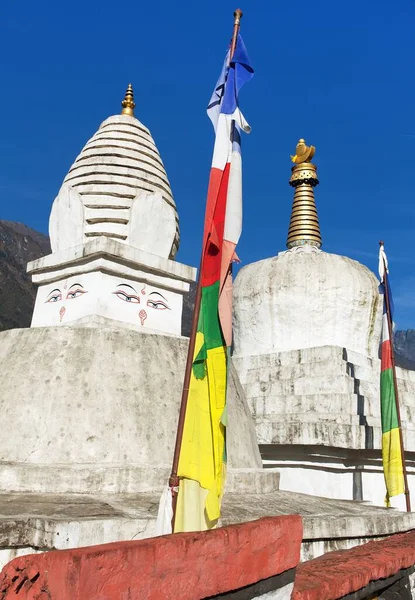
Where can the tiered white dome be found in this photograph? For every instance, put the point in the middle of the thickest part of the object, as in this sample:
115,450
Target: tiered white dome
117,163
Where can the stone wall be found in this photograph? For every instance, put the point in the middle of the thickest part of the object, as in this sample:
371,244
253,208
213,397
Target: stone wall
257,559
239,562
94,410
382,569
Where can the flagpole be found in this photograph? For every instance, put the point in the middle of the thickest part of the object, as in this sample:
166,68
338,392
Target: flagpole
174,479
236,27
395,382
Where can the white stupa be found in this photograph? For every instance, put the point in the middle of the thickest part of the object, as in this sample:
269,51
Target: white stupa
114,232
306,341
101,400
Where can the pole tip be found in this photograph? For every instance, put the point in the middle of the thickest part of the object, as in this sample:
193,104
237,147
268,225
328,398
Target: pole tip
238,16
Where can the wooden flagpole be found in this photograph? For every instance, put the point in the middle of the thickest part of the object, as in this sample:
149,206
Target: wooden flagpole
395,382
174,479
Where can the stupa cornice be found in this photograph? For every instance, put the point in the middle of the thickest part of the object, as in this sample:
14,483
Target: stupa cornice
106,248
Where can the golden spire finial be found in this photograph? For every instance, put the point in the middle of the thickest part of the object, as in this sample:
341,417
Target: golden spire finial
128,103
304,226
303,153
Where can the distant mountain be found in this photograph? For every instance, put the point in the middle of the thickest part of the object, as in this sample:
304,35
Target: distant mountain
404,344
18,245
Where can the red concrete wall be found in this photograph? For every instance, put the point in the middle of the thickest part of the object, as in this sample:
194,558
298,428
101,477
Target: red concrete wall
337,574
185,566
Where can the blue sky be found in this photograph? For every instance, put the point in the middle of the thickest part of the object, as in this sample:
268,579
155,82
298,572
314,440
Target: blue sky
338,74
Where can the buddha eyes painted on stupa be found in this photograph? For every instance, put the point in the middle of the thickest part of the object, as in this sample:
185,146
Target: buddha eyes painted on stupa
75,291
126,295
54,296
155,300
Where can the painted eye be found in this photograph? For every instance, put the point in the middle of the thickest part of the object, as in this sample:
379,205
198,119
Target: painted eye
75,294
157,304
55,298
126,298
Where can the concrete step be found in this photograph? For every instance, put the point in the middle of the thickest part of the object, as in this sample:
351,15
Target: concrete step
408,424
359,360
264,368
309,417
293,357
304,356
407,398
406,386
281,372
368,389
319,433
371,388
332,404
335,384
364,373
406,375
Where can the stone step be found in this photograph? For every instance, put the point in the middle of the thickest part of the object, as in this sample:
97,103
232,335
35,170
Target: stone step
408,425
371,388
292,357
282,372
332,404
406,375
265,370
371,398
371,407
338,435
335,384
252,481
328,402
407,398
309,417
359,360
406,386
364,373
304,356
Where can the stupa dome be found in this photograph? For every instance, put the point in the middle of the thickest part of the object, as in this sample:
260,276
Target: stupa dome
118,187
304,297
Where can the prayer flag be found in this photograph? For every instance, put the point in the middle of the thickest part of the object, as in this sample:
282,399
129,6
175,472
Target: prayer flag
203,454
391,443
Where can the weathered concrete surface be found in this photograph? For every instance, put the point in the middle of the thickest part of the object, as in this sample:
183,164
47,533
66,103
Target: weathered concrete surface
39,522
186,566
317,417
91,410
328,524
301,300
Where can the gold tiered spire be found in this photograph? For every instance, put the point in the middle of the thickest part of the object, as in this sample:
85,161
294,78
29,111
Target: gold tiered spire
304,226
128,104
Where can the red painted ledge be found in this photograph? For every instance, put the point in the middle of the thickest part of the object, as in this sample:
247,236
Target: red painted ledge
186,566
337,574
